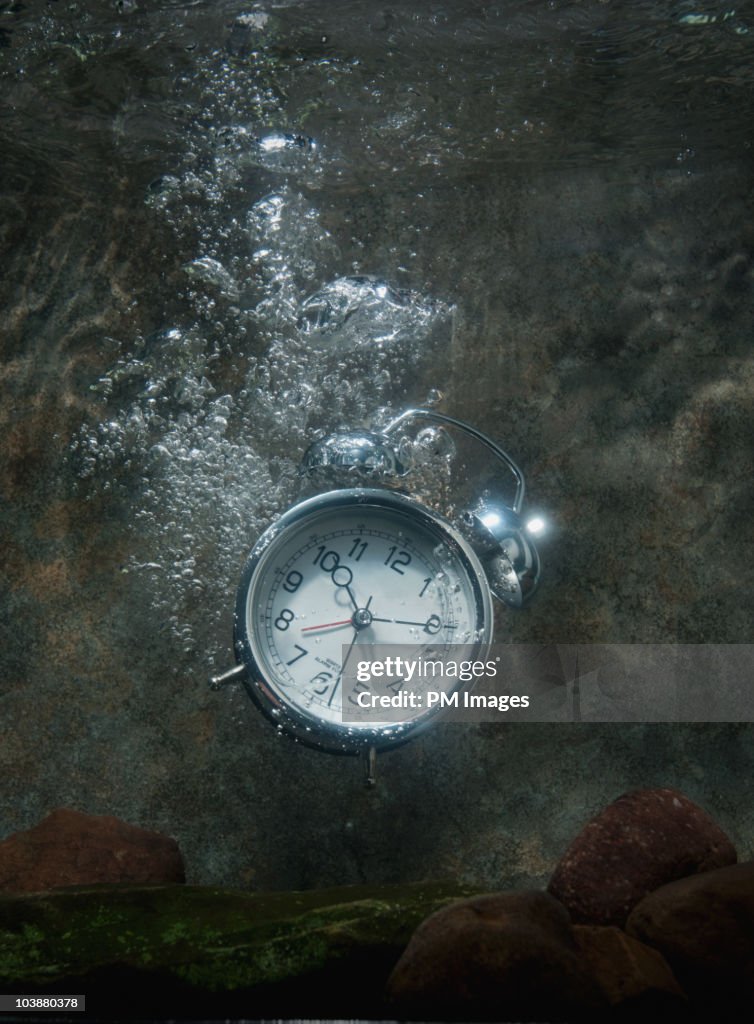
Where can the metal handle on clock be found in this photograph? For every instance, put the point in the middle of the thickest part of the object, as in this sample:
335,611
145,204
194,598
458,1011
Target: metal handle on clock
509,557
438,417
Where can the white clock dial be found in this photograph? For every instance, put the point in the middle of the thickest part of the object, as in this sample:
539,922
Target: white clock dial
375,568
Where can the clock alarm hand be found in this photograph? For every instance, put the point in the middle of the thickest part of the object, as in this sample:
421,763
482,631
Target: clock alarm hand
345,580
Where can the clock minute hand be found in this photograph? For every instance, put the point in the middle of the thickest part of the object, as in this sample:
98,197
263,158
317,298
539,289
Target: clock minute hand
399,622
347,656
403,622
342,668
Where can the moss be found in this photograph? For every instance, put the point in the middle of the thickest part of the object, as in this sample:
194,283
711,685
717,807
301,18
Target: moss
209,939
175,933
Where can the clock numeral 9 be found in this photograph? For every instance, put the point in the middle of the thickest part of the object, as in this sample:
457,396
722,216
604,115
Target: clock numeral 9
284,619
293,581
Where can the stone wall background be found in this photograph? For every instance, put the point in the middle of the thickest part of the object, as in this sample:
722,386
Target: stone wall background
601,297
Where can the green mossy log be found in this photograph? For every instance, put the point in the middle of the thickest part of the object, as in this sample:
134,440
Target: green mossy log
194,951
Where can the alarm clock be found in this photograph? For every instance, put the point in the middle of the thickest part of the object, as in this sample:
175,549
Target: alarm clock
351,567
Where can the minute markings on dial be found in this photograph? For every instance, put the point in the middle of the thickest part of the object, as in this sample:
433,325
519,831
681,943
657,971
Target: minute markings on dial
302,616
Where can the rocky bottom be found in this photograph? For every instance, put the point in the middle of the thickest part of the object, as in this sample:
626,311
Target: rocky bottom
647,915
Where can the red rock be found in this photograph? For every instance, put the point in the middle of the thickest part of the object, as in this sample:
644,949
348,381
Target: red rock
71,848
508,956
631,975
642,841
704,926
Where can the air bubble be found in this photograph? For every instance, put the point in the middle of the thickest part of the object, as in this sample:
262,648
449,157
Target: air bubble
355,312
433,443
212,272
199,426
254,19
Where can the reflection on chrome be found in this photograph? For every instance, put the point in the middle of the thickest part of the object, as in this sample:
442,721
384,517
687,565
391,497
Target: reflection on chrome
536,526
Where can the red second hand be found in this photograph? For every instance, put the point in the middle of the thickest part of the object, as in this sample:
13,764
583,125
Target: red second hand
326,625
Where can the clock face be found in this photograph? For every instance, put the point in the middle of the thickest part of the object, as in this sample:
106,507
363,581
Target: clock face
341,572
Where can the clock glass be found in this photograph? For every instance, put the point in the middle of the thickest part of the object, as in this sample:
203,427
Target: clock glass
341,571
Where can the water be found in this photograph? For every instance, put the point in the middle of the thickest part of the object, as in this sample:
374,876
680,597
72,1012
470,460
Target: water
227,228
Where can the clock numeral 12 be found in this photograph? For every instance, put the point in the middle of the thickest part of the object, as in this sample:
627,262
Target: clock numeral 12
402,558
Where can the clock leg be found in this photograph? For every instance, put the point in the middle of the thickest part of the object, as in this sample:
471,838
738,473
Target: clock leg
370,765
233,675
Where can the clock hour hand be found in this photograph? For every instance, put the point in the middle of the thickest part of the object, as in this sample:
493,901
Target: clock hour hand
346,656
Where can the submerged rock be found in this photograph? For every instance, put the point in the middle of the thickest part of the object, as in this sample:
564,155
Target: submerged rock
187,951
71,848
704,926
507,956
631,975
642,841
